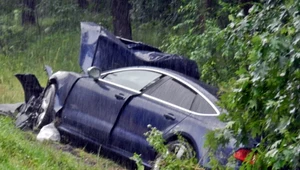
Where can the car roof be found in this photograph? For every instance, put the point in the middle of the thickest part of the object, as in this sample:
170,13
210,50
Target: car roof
194,82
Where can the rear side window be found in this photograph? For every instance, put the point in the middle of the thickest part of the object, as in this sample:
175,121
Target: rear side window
174,92
134,79
200,105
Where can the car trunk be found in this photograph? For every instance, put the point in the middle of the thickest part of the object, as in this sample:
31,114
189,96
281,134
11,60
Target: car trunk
102,49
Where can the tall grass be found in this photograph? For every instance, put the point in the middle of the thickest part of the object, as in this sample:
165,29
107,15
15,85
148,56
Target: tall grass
152,33
59,50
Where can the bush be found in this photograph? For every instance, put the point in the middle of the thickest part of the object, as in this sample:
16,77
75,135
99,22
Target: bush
255,61
168,159
264,101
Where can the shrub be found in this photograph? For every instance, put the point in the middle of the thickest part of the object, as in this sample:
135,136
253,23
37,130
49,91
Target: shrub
168,159
263,102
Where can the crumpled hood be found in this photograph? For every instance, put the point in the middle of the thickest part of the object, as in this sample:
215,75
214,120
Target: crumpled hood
102,49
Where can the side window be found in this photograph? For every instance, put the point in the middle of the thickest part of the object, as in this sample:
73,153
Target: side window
135,79
200,105
174,92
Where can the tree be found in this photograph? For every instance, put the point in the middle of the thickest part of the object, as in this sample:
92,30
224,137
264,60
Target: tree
82,3
28,12
121,18
263,102
256,61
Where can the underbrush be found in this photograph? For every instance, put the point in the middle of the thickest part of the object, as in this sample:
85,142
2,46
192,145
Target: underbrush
167,158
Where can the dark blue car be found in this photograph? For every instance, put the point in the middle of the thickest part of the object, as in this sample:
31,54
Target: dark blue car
112,105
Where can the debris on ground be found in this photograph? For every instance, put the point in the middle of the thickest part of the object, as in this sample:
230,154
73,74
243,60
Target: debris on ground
48,132
10,109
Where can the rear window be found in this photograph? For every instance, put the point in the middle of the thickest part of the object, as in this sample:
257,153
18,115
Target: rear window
176,93
200,105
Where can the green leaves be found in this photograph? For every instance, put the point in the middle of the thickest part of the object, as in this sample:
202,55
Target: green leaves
166,158
255,61
264,101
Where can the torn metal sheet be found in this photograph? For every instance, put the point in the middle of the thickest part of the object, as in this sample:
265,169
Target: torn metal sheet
102,49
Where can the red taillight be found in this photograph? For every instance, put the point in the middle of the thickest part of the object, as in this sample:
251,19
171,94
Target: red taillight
242,154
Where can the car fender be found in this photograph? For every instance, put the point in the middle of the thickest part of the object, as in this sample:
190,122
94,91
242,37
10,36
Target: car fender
64,82
194,136
30,84
195,133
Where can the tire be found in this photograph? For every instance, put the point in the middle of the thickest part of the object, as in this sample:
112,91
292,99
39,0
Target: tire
182,150
46,111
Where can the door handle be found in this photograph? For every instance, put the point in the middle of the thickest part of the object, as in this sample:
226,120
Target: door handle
120,96
169,116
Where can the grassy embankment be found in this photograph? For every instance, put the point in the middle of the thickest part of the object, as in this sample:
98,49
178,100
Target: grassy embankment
20,150
60,50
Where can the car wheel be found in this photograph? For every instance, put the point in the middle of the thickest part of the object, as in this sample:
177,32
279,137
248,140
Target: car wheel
46,111
181,149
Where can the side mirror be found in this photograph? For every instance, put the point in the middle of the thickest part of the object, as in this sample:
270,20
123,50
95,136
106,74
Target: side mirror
94,72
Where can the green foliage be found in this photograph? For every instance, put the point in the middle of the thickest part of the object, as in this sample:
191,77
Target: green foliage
146,11
66,15
215,59
52,16
169,160
8,6
264,101
138,160
151,33
255,60
205,41
9,25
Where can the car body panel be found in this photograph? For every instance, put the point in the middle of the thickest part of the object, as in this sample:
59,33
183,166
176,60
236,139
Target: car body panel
30,84
94,115
187,128
102,49
134,122
64,82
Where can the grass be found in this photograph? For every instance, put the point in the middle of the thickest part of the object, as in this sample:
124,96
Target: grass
20,150
60,51
152,33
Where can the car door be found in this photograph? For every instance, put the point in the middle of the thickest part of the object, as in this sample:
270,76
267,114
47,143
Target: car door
162,105
92,108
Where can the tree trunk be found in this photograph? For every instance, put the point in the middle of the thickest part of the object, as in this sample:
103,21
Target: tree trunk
121,19
82,3
203,8
28,16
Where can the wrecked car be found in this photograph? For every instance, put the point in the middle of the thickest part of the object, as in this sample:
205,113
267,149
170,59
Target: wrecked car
125,86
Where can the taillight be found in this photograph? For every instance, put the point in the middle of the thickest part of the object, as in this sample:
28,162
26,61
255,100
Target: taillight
242,154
